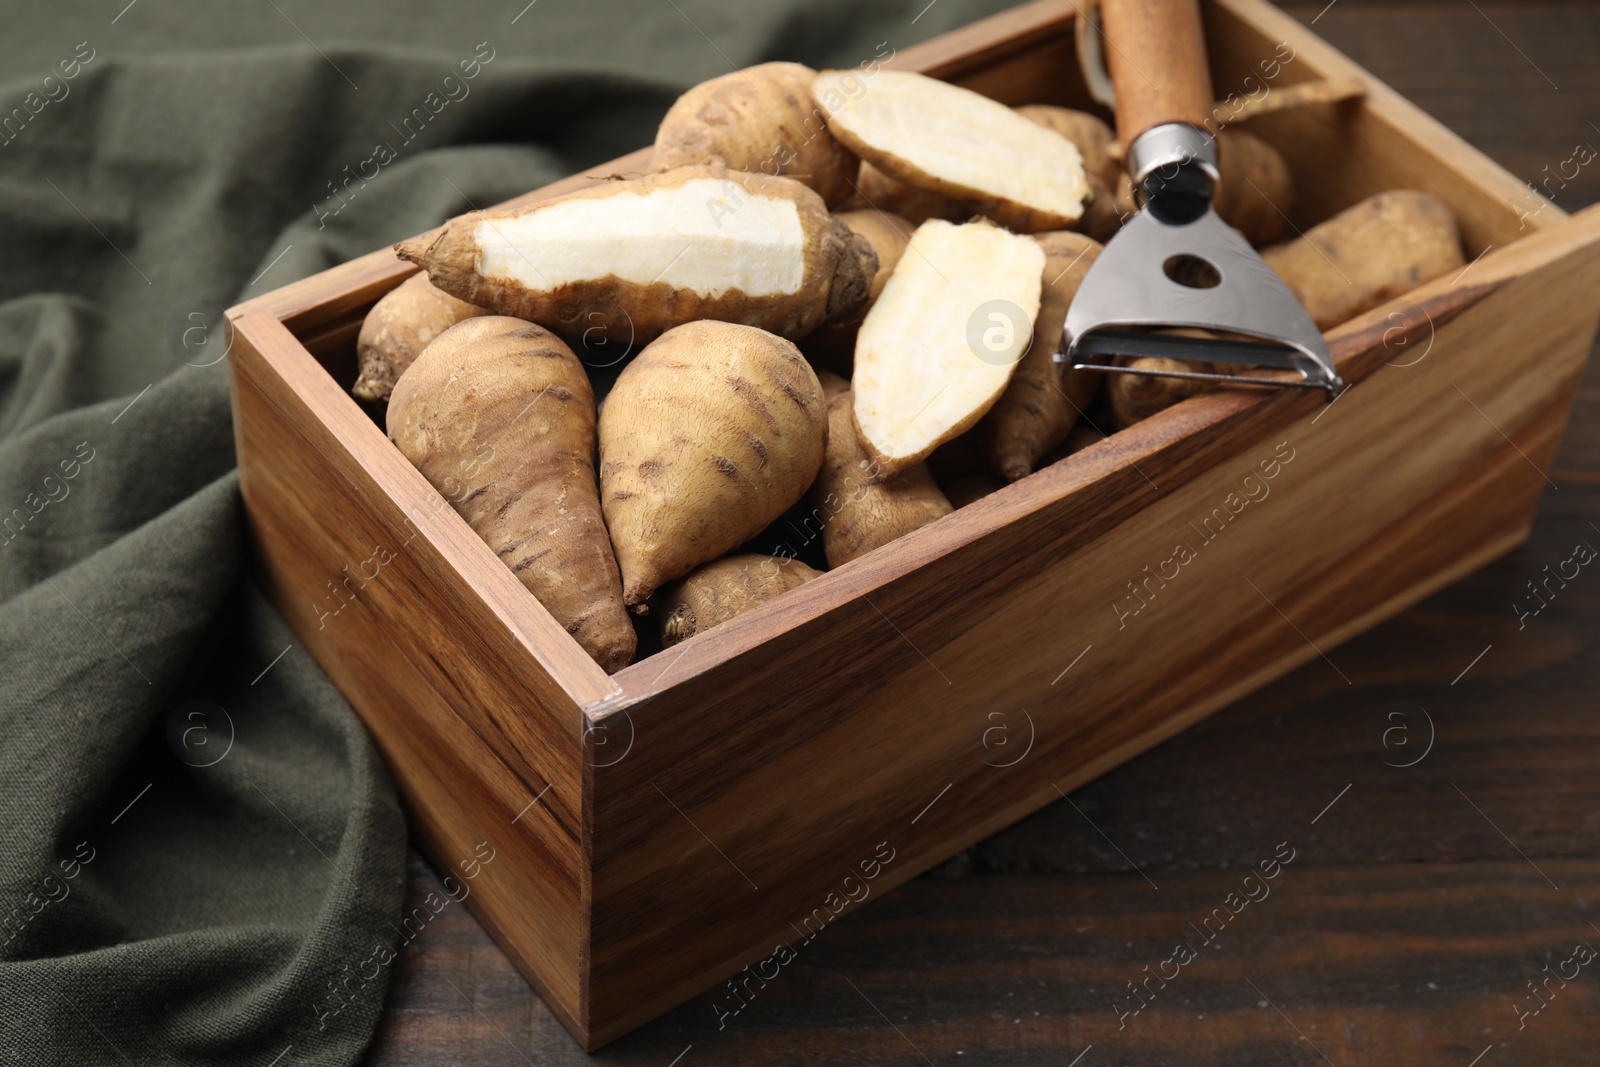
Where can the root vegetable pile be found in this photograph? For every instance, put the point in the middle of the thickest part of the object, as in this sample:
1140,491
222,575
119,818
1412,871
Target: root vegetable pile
839,296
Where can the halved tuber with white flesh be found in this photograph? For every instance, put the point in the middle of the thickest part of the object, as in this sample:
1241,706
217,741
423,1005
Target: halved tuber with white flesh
398,328
942,341
1102,158
858,508
833,342
711,433
1044,399
1367,255
958,143
760,119
499,416
716,592
1102,162
626,260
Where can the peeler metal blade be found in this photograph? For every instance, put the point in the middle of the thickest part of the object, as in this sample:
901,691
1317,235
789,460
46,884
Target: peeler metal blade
1180,268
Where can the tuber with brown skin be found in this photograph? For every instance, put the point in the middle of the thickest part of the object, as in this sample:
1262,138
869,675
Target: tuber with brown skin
860,508
1135,397
1368,254
711,433
398,328
1044,398
498,415
1256,194
627,260
761,119
715,592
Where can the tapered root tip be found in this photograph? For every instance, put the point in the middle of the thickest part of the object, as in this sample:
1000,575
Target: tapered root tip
675,628
1013,470
366,389
415,249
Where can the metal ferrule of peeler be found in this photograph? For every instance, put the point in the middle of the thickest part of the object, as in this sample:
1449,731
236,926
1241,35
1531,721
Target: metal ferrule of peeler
1169,155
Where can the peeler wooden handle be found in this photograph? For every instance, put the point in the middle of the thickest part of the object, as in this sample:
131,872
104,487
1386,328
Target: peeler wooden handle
1156,56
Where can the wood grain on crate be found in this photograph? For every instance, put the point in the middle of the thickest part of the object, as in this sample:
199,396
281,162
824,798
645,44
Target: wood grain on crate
1429,954
491,657
624,889
1400,489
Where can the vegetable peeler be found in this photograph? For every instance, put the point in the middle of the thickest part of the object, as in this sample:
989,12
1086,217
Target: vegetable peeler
1176,263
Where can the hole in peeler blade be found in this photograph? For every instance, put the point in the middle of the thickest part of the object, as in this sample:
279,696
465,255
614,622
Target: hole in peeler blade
1191,271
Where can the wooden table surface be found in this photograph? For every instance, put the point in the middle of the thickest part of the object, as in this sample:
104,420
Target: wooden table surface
1422,903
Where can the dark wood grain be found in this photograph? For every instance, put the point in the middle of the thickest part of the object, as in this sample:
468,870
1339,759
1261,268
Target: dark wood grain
1418,905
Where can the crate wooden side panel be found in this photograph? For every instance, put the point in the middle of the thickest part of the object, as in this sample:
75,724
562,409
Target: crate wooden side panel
779,753
418,651
757,780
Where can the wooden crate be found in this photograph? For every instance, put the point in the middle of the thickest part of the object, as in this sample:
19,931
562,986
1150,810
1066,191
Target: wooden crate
659,830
